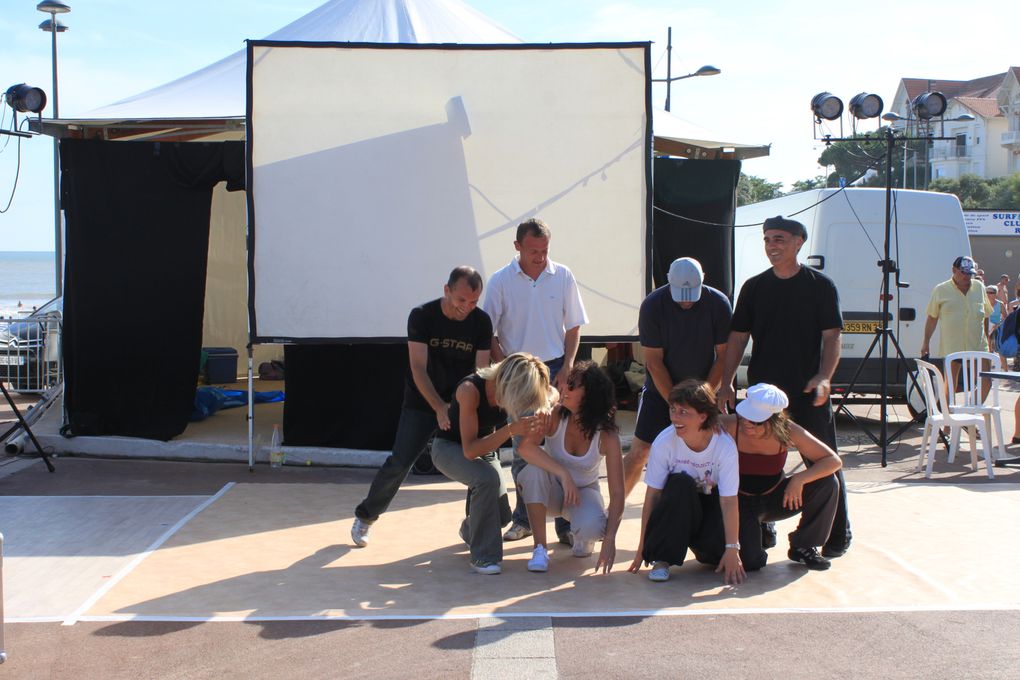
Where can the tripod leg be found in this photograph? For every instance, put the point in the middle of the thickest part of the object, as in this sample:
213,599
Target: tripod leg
28,430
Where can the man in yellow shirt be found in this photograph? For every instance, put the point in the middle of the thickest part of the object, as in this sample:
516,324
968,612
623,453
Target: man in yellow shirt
959,306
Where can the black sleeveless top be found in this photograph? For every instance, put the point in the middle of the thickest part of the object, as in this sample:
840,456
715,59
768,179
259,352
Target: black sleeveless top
490,417
759,472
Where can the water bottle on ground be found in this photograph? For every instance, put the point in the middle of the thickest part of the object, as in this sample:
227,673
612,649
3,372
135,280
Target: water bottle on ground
276,456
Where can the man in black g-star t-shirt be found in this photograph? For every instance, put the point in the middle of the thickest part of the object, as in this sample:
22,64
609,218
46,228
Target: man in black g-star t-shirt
446,340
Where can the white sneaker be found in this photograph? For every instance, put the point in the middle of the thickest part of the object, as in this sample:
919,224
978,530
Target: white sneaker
539,559
582,548
359,532
487,568
516,532
659,572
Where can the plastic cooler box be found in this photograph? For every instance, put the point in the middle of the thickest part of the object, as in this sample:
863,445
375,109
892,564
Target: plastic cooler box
220,365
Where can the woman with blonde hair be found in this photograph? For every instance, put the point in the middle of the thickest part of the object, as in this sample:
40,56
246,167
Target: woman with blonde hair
562,477
489,407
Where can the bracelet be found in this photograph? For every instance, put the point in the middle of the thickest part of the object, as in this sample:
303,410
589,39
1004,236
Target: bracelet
736,546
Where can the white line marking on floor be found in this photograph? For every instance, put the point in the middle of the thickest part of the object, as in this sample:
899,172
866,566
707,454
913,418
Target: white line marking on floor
521,647
84,607
62,497
637,613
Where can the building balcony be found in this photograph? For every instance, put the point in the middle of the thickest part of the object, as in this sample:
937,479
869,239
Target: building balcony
1011,138
949,153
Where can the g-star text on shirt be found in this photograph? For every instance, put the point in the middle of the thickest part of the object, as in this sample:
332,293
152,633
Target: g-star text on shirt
449,343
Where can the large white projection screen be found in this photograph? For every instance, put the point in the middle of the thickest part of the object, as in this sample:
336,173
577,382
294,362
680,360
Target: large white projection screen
375,170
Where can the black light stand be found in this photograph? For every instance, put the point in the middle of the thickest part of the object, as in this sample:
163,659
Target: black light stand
28,430
883,334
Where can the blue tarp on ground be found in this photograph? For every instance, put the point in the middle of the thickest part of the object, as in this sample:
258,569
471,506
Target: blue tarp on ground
209,400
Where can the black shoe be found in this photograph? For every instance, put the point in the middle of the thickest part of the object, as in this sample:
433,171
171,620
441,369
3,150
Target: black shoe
810,558
566,539
835,549
768,535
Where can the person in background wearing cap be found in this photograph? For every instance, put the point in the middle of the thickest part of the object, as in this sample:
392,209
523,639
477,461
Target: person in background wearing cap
683,327
536,307
959,307
763,435
791,312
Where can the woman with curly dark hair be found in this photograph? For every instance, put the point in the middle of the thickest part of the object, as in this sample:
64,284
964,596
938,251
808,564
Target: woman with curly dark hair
562,478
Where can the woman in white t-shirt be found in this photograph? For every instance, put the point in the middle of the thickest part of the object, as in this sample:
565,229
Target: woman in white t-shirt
562,478
692,481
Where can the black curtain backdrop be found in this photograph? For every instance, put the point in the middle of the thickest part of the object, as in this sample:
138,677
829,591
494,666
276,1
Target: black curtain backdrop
137,234
344,396
704,190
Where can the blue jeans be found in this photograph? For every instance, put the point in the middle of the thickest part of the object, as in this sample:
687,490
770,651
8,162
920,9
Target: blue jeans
413,433
520,515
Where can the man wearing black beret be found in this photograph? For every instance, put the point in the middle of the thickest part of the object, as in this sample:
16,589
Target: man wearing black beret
791,312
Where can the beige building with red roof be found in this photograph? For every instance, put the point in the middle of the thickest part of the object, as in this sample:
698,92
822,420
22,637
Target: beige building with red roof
987,146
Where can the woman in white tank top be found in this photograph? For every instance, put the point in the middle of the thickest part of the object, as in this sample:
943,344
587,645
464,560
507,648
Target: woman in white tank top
562,477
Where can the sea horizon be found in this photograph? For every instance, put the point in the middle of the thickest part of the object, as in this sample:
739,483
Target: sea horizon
27,280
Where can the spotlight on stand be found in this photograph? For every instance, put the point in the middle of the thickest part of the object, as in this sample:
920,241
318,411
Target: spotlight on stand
929,105
866,105
25,98
826,106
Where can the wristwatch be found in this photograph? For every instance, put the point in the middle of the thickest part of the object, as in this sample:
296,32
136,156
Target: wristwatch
733,545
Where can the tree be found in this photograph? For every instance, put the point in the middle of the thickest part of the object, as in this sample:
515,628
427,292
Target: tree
852,160
1001,193
1006,193
817,182
751,189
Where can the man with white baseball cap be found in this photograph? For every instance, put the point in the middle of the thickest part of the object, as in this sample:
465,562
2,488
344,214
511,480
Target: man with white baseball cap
763,435
682,327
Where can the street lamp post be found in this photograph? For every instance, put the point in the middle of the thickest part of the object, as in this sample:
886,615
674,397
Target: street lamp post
703,71
53,26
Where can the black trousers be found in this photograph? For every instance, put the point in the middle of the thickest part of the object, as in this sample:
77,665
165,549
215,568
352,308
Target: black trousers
820,421
820,499
684,518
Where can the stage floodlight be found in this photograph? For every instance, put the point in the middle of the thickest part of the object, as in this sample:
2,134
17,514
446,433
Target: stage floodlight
827,105
866,105
929,105
24,98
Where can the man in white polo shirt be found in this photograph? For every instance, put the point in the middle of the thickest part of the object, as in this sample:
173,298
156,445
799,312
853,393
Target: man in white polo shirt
535,307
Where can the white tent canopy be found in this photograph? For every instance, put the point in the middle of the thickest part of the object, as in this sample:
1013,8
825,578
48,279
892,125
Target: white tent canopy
218,90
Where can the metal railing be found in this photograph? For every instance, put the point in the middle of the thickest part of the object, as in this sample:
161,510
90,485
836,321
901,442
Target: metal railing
1011,137
30,359
941,153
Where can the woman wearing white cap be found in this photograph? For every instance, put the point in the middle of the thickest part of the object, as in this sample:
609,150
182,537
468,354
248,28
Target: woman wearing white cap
763,435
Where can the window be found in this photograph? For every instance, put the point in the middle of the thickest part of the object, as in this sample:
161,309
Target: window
961,146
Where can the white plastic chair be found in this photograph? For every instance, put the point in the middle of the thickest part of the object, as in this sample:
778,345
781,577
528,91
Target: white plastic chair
968,399
939,415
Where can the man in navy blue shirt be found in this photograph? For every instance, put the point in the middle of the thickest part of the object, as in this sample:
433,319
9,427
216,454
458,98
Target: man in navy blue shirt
683,328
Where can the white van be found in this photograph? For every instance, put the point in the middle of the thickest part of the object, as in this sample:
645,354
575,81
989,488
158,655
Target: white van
846,233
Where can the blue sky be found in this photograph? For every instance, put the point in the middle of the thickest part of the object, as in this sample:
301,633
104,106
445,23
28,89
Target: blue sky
774,57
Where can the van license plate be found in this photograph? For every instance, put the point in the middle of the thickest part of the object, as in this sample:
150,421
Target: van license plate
868,327
11,360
